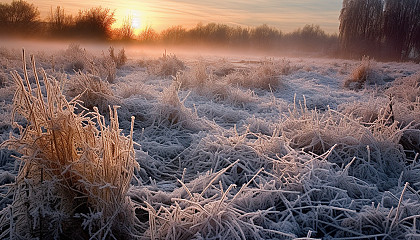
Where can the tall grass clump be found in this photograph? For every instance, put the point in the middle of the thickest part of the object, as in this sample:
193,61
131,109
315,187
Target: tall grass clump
406,94
363,74
202,81
171,111
205,82
266,75
75,169
375,144
77,59
110,63
92,91
167,65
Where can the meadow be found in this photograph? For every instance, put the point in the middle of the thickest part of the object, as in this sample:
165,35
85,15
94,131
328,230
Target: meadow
113,143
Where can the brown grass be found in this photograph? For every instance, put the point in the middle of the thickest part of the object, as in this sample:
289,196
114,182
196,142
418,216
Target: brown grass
75,169
360,75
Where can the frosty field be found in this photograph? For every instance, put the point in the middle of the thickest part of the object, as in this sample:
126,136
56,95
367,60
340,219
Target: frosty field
229,146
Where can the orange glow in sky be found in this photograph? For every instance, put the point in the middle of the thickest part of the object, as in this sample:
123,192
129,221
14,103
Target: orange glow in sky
287,15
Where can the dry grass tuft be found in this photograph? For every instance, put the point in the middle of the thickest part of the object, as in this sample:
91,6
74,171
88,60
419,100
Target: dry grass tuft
209,213
172,112
77,58
378,141
75,169
365,73
167,65
92,91
206,83
264,76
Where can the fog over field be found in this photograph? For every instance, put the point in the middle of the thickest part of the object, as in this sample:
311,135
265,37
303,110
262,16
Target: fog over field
223,144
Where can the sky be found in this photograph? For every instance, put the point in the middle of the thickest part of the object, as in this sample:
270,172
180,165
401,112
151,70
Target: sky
286,15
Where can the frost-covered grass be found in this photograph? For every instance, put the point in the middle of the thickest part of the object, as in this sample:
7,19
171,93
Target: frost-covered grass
76,169
237,147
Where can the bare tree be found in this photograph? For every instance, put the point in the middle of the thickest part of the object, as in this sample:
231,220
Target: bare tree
126,31
60,23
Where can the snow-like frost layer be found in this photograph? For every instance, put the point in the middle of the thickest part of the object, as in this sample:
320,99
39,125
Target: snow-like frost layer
224,154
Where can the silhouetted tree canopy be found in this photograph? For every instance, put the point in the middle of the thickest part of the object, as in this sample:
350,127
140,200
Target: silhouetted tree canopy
18,15
95,22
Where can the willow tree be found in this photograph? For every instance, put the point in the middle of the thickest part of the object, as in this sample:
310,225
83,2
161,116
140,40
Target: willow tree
381,28
401,27
360,26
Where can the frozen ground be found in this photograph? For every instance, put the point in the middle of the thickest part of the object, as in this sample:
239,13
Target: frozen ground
252,147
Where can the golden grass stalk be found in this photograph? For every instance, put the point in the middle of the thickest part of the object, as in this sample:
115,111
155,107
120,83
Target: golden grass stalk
89,163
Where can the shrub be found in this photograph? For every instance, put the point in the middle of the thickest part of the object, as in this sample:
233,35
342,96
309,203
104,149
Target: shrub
95,22
75,171
17,16
126,31
60,24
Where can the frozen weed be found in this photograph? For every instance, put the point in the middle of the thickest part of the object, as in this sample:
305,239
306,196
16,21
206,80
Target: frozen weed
366,111
120,59
405,89
128,89
205,83
215,216
77,58
376,144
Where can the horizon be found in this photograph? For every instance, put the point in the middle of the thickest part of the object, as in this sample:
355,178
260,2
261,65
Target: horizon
286,15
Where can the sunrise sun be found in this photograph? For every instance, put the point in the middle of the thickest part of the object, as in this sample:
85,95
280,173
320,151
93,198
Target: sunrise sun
136,20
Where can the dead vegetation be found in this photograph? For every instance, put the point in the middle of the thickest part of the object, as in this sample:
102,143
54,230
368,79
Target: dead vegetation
75,169
221,161
359,75
91,91
167,65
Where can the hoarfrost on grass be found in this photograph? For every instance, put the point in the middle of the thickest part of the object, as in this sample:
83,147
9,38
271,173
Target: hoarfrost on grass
232,148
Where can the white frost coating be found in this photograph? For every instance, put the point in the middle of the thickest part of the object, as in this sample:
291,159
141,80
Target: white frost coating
251,148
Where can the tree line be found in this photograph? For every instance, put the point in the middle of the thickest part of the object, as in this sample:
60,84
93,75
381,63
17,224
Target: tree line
385,29
22,18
